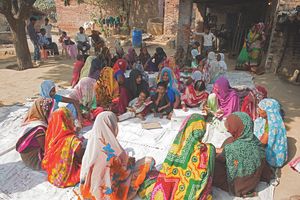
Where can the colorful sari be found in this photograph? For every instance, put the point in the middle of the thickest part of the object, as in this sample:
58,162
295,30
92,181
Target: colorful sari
190,97
61,143
277,148
119,68
76,72
251,101
244,157
228,100
107,171
107,87
187,171
33,129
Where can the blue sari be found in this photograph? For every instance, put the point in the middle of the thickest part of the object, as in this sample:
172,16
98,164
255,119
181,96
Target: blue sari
276,149
172,91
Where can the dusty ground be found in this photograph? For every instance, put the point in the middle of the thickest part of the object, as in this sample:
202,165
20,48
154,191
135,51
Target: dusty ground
16,86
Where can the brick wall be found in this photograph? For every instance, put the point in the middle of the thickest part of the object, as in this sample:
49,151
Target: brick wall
171,17
70,18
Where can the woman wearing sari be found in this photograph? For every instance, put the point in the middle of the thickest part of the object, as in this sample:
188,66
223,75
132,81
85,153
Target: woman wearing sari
86,67
250,103
131,57
271,131
168,77
227,99
194,95
107,171
154,64
144,56
240,163
250,55
106,88
135,84
187,171
31,143
120,68
84,93
63,150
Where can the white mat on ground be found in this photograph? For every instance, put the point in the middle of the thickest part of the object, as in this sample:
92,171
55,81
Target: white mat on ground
20,182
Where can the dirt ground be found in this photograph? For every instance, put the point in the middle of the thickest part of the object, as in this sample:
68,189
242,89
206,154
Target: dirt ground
16,86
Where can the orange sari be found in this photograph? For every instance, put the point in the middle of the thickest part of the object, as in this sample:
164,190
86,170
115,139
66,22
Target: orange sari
61,143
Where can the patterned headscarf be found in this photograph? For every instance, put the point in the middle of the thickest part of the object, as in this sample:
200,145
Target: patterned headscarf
277,149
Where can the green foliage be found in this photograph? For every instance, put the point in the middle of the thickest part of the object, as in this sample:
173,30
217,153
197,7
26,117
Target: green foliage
47,6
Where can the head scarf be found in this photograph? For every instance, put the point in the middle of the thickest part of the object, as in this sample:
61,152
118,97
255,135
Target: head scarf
84,91
140,67
211,57
160,55
46,88
96,66
187,171
131,57
101,148
172,80
120,64
228,99
86,67
244,156
222,63
197,76
277,149
195,53
40,110
107,87
133,88
144,57
251,101
61,144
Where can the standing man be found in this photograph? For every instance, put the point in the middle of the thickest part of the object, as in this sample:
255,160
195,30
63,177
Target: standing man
82,41
48,28
209,38
34,39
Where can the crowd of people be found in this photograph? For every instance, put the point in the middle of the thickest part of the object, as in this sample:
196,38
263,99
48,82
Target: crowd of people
103,95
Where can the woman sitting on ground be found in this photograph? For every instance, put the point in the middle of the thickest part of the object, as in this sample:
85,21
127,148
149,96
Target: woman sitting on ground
144,56
217,67
187,171
167,76
135,84
271,131
240,164
107,171
194,95
154,64
48,91
84,93
63,150
120,68
78,65
131,57
250,103
32,141
224,97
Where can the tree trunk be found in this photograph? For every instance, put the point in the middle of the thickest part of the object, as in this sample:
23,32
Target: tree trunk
21,46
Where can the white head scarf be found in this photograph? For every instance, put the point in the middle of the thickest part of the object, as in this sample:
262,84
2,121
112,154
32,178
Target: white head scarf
101,147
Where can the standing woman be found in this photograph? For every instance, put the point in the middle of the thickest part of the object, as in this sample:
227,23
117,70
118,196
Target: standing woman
135,84
107,171
63,150
32,141
240,163
167,76
271,131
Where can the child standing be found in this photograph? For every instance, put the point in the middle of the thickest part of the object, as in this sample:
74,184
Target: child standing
208,38
136,107
77,69
160,102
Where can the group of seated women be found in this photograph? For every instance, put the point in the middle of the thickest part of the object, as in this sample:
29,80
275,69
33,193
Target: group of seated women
50,139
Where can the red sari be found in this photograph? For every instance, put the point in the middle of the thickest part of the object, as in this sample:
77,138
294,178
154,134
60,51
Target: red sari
191,99
61,143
